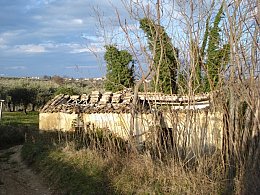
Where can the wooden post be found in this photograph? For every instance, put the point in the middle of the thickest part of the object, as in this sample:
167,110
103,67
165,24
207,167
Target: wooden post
1,108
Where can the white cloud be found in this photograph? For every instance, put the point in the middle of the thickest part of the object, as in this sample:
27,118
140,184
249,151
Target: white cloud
49,32
72,48
7,36
15,68
92,48
34,4
80,50
2,42
30,48
95,48
49,47
77,21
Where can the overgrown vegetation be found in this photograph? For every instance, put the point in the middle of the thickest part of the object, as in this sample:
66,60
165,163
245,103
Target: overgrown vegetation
217,53
100,167
227,51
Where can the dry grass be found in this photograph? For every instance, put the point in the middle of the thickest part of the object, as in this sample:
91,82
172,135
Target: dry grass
130,172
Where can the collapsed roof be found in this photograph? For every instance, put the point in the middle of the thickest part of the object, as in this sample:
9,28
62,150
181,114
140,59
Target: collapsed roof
121,102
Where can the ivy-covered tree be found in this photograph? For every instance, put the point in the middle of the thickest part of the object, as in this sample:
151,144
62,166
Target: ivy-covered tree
120,69
217,55
165,56
208,59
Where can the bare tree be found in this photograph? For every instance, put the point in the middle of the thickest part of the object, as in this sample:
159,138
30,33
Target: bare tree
235,97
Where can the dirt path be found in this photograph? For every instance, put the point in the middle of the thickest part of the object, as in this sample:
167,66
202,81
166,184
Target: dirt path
16,178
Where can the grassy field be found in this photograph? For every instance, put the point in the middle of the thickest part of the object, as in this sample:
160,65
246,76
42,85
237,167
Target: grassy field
20,119
13,126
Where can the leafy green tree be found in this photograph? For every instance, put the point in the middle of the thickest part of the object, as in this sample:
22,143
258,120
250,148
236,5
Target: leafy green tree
65,90
3,92
119,74
22,96
182,82
165,56
43,95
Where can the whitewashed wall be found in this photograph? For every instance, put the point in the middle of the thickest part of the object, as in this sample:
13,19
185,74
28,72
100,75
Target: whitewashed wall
196,129
56,121
119,124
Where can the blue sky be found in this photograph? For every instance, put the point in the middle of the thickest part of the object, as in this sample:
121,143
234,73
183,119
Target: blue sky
52,37
58,37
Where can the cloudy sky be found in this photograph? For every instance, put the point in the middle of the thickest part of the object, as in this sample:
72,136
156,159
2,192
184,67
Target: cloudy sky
51,37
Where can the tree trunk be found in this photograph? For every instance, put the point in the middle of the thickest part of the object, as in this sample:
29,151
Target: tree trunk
33,107
25,109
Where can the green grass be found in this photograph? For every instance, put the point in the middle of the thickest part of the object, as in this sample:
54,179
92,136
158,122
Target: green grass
20,119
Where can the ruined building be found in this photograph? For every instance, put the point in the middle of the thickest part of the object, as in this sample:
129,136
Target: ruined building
112,111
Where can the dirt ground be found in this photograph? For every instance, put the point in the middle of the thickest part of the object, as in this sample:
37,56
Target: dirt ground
16,178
